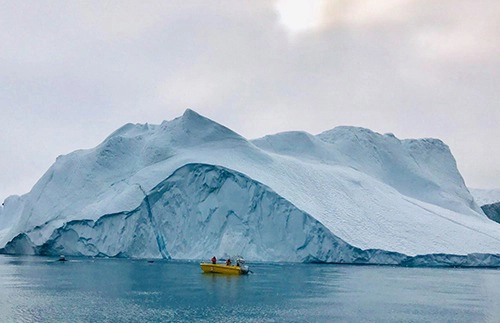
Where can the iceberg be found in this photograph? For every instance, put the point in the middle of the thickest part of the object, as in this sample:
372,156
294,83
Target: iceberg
492,211
485,196
190,187
489,200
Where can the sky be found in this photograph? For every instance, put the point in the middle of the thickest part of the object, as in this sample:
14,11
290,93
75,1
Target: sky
71,72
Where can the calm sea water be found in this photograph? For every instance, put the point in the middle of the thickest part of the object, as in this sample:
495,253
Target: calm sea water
36,289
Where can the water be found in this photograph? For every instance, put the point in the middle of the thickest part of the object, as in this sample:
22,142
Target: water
36,289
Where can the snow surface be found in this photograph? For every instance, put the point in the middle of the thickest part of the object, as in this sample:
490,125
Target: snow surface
485,196
350,191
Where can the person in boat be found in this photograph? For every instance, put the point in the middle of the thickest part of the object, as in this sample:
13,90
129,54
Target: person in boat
238,262
228,262
214,260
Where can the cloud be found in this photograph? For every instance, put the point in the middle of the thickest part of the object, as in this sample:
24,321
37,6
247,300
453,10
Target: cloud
72,72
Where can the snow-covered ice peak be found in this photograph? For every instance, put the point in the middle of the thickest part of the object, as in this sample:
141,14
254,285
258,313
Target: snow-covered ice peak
195,119
187,130
131,130
349,132
194,129
294,143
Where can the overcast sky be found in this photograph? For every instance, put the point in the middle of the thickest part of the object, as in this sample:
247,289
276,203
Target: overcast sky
71,72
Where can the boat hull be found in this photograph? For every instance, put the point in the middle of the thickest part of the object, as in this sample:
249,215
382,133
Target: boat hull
222,269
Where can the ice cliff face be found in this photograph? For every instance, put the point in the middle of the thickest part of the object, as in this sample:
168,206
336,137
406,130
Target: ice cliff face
190,187
199,208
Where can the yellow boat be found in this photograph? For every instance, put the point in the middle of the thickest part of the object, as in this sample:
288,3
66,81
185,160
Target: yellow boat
223,269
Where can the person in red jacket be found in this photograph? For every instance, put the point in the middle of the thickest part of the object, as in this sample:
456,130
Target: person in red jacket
214,260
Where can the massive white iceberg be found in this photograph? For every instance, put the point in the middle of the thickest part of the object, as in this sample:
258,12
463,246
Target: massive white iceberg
190,188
